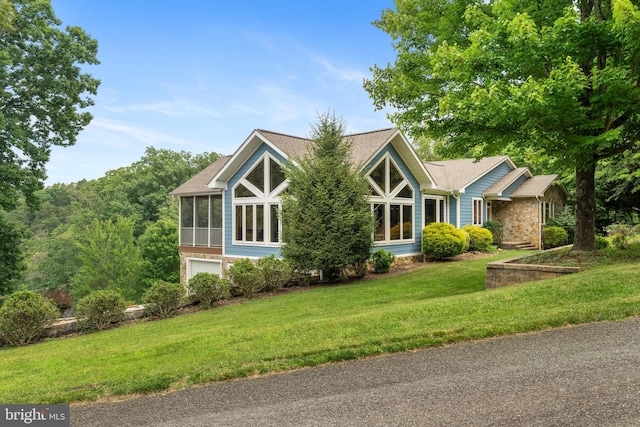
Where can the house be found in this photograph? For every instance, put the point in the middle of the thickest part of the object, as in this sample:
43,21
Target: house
229,210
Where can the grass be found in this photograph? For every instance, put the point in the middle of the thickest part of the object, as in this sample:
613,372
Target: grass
588,260
438,304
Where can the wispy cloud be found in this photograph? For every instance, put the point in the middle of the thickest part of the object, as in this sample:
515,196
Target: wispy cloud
137,133
175,108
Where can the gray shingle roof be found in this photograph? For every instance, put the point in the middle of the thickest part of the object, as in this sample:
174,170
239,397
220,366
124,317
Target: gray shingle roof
534,187
364,144
501,185
198,184
454,175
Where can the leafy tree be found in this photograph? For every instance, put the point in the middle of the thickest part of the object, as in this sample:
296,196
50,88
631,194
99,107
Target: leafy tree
326,218
159,250
43,93
109,259
560,76
11,256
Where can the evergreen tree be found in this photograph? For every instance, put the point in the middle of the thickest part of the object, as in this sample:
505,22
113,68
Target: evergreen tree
326,218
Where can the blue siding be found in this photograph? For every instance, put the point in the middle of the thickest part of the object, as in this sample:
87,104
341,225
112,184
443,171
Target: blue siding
517,183
245,250
403,248
476,189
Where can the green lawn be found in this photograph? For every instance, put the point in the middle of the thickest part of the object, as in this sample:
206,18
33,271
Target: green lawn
439,303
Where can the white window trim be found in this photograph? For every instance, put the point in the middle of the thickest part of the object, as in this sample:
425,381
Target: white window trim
443,216
389,199
473,208
263,199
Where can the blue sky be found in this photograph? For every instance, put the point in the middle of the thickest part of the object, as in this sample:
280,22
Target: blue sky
201,75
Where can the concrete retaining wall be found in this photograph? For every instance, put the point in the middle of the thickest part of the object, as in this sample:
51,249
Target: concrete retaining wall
508,272
69,325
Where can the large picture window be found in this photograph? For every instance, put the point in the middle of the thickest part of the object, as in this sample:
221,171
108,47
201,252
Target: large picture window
256,204
434,210
392,203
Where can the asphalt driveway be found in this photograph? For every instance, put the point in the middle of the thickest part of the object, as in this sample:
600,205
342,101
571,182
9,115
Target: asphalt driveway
586,375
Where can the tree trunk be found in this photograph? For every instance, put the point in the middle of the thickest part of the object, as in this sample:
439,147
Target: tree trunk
585,237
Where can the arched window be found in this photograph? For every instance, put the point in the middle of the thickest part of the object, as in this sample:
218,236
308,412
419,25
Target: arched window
256,203
392,203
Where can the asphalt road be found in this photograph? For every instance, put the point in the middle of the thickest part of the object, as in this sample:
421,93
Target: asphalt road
585,375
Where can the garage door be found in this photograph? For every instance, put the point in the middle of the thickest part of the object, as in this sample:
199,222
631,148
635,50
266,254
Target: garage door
201,266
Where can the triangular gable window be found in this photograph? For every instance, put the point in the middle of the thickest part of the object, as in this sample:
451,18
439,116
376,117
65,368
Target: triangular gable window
276,175
256,176
242,191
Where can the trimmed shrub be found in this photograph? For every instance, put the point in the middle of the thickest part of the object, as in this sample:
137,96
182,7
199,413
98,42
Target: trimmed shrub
601,243
497,232
382,260
566,219
24,316
479,238
441,240
276,272
207,288
246,277
163,299
554,237
100,309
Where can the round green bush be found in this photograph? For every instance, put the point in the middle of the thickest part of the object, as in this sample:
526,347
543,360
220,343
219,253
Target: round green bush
480,239
24,316
100,309
246,277
601,243
554,237
441,240
382,261
497,231
276,272
163,298
208,288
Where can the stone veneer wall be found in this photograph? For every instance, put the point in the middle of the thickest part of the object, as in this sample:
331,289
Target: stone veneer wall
520,220
508,272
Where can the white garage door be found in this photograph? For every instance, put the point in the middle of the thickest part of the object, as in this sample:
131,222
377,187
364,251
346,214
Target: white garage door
200,266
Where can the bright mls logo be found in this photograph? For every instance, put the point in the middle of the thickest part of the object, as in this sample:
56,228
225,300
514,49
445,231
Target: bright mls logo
34,415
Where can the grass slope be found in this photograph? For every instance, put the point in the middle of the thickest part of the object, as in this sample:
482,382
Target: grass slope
431,306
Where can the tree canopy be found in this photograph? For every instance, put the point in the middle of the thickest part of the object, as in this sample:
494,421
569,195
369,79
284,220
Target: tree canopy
43,93
559,76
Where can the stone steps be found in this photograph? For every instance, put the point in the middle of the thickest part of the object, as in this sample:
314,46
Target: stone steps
519,245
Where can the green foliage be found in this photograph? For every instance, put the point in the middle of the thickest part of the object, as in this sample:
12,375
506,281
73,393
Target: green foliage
553,237
497,232
44,95
109,259
382,261
559,78
24,316
601,243
276,272
162,299
246,277
11,256
566,219
441,240
208,288
100,309
480,238
326,217
620,233
158,247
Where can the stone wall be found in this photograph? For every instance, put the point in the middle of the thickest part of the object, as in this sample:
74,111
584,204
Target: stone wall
508,272
520,220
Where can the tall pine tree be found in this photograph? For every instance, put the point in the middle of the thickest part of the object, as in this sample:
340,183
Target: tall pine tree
326,218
